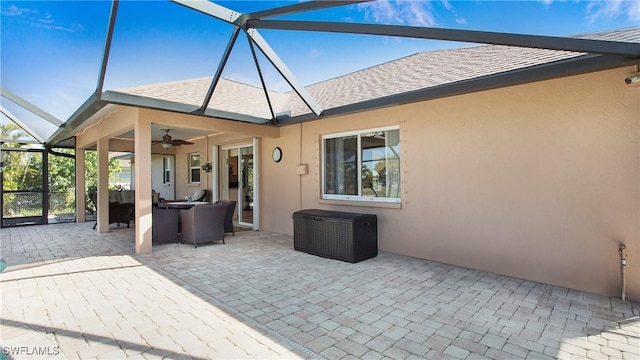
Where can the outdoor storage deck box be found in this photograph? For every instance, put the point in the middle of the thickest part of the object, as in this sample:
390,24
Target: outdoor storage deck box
337,235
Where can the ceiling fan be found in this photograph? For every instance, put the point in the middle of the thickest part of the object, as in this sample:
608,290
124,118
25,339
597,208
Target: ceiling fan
168,142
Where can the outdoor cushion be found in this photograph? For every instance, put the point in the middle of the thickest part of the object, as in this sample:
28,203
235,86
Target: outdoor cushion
115,196
127,196
198,195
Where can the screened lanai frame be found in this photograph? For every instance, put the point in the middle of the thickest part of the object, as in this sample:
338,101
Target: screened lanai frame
592,55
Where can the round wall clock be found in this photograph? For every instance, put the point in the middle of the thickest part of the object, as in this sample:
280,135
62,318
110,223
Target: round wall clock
276,154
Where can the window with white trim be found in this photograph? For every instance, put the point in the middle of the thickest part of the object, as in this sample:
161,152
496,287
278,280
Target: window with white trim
166,170
194,168
362,165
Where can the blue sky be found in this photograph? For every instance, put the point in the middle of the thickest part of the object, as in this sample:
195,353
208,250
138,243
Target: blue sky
51,50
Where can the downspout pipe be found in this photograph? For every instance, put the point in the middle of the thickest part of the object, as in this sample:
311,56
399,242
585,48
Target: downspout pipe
622,250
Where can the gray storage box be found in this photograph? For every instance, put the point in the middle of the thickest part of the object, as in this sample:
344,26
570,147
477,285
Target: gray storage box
337,235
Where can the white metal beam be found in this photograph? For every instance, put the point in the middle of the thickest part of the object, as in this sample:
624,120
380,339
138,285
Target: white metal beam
24,127
30,107
284,71
22,141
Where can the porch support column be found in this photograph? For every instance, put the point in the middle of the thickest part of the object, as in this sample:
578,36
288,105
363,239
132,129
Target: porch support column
256,184
80,187
103,185
142,171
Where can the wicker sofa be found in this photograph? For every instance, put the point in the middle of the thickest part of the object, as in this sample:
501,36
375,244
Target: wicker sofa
118,212
122,205
129,197
122,197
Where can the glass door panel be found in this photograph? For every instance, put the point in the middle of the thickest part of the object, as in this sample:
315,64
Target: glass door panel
245,191
237,176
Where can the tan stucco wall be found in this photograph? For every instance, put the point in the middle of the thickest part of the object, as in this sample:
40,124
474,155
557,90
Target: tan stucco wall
538,181
183,187
166,190
280,187
204,146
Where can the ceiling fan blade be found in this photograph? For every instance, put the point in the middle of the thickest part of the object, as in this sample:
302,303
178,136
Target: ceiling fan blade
180,142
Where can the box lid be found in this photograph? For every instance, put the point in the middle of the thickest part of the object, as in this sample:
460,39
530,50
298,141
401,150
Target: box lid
329,214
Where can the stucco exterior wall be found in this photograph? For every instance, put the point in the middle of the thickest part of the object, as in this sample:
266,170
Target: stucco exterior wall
183,187
166,190
538,181
280,187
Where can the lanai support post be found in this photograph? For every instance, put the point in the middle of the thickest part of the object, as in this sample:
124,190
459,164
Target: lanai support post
142,169
80,187
103,186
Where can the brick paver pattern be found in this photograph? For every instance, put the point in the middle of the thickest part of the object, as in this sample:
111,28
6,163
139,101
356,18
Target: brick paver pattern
71,293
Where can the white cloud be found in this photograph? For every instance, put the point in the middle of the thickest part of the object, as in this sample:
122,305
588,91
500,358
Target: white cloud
13,10
415,13
607,9
423,13
407,12
51,26
633,11
40,20
459,19
315,53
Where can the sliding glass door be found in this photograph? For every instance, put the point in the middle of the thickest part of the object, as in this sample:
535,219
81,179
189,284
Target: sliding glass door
238,182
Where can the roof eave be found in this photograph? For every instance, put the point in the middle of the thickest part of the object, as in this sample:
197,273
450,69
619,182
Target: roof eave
119,98
91,106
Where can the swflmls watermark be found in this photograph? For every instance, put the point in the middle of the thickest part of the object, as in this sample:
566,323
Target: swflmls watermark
30,350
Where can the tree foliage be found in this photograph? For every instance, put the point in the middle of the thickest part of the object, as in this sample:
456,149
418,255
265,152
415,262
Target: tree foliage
23,171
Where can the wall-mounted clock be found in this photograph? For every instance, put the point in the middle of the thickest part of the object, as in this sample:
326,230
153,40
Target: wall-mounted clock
276,154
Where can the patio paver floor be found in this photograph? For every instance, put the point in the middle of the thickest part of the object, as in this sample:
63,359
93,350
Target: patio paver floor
71,293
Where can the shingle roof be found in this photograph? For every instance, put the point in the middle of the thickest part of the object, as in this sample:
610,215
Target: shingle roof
415,72
229,95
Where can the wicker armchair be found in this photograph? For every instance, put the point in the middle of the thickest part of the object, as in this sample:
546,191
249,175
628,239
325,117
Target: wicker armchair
118,213
164,225
203,223
228,218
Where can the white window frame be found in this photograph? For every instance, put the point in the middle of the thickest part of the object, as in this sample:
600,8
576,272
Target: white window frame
166,170
358,197
191,168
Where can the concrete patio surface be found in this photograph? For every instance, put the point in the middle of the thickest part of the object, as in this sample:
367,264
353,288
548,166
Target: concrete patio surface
71,293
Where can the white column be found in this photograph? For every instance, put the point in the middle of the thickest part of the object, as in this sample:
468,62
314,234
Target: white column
142,171
215,187
103,185
256,184
80,187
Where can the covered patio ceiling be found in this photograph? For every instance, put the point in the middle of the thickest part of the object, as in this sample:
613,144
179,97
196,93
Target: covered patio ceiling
208,98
